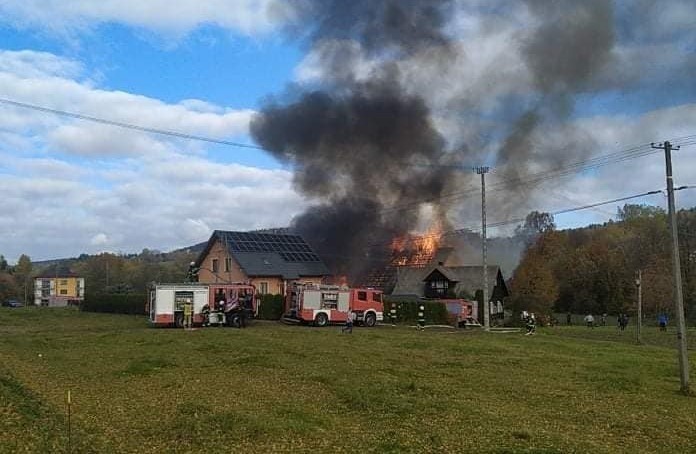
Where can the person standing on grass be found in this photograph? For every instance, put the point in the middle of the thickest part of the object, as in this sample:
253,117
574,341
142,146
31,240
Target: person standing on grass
589,320
624,321
188,314
349,324
604,319
569,319
392,314
530,325
242,316
421,317
662,321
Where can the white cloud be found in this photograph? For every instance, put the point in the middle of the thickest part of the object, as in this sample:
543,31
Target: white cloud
248,17
48,85
72,186
43,167
100,239
32,64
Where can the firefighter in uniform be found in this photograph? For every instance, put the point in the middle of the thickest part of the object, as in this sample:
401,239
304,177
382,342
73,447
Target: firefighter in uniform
188,314
392,314
530,324
421,317
349,324
244,302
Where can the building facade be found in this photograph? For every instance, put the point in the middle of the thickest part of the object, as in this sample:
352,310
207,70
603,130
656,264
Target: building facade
269,261
58,290
445,278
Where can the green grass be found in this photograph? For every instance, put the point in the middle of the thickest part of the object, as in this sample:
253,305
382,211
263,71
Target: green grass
277,388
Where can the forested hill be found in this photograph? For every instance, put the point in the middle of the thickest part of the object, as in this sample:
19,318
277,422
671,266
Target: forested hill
594,269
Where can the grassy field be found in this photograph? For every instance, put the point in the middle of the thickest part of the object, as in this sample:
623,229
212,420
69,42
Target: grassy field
276,388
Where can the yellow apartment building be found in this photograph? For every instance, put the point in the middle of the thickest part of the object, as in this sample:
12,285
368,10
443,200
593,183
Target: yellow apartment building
59,290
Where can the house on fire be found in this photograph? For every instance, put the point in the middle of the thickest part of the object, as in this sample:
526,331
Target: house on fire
269,261
444,279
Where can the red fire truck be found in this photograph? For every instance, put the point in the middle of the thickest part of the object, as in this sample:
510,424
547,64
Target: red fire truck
464,312
326,304
212,304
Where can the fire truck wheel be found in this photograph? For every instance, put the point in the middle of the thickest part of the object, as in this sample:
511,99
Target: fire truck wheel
370,320
234,321
321,319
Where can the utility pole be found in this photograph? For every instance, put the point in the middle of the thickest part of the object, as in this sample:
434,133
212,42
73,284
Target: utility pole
676,271
639,322
486,308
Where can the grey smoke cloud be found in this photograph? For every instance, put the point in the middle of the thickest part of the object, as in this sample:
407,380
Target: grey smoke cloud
571,44
403,26
360,145
566,54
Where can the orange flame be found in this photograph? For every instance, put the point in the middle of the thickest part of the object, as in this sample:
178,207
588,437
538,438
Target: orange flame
416,250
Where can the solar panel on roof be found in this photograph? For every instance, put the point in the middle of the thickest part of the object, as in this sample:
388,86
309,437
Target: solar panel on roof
291,248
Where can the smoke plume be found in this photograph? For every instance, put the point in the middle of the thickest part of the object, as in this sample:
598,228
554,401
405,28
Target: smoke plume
571,44
363,141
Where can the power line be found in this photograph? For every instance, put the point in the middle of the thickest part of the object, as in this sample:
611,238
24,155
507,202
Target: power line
582,207
634,152
509,184
119,124
474,229
562,211
533,179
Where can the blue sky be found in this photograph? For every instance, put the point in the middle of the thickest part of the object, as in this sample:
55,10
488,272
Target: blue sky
205,68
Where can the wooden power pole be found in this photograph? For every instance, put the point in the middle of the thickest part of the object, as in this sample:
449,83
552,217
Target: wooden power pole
676,271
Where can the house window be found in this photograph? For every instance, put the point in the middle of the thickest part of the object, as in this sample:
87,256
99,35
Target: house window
362,296
228,264
63,282
263,288
215,266
63,292
438,288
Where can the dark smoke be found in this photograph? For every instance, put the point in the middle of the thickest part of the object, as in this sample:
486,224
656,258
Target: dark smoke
361,145
403,26
565,55
358,152
572,44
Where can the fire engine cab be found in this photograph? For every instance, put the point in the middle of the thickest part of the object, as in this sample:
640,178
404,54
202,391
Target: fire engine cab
324,304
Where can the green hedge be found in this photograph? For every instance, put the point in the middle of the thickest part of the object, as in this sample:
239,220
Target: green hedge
407,312
271,307
116,303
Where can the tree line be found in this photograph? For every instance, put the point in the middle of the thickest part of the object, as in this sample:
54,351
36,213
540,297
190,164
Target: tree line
594,269
103,273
